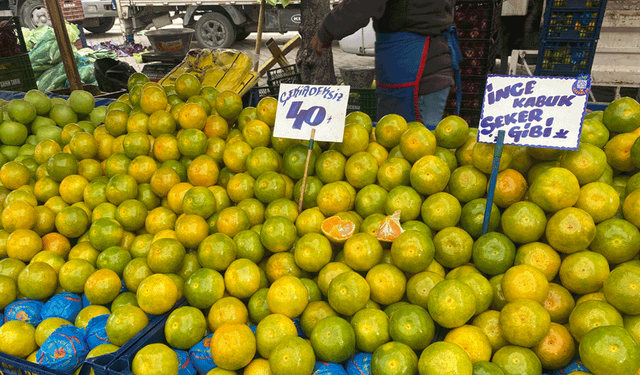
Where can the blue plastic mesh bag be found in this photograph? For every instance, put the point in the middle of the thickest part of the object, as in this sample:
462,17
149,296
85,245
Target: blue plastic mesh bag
298,325
64,305
97,331
64,350
200,355
25,310
575,365
328,368
359,364
185,368
85,301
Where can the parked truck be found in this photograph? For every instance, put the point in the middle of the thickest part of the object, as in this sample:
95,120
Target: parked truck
100,15
217,24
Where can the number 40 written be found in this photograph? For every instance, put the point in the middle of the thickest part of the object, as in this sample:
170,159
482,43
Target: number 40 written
313,116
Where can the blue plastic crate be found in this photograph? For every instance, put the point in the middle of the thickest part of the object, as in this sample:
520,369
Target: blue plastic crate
592,107
100,364
565,58
573,19
577,4
122,364
572,24
10,365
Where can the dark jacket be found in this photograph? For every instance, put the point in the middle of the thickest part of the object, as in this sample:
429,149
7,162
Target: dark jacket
426,17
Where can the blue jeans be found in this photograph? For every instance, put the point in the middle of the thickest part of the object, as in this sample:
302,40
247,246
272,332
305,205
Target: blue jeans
432,107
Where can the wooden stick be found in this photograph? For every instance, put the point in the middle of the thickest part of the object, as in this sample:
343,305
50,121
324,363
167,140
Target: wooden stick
296,41
306,170
276,52
66,53
497,154
259,36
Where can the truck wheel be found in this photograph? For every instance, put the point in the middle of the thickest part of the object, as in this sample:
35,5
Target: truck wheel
34,14
215,30
105,25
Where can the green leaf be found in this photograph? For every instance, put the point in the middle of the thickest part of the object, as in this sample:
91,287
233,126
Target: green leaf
274,2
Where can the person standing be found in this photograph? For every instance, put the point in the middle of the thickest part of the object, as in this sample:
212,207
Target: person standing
414,44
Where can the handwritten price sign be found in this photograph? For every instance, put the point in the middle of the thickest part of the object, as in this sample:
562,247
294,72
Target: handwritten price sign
534,111
302,108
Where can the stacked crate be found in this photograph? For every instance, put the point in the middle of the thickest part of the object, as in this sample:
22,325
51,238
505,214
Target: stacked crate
363,100
285,74
16,73
478,24
72,10
569,37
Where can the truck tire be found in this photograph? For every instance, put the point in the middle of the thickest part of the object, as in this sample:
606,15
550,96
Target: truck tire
105,25
33,14
215,30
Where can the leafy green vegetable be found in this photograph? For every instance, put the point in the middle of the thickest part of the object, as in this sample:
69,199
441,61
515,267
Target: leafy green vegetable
283,2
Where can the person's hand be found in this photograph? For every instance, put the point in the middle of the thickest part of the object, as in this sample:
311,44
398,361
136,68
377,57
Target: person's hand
317,45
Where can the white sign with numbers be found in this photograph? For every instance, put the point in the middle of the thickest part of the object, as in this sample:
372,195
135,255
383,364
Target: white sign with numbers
302,108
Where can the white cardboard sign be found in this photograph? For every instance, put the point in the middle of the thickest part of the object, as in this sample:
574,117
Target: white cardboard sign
305,107
534,111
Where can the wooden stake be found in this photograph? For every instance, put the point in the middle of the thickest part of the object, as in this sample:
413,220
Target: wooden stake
497,154
259,36
306,170
296,41
66,53
276,52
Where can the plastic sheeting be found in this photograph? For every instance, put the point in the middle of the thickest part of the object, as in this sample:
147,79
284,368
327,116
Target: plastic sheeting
46,60
185,367
64,350
223,69
97,331
200,355
359,364
328,368
25,310
64,305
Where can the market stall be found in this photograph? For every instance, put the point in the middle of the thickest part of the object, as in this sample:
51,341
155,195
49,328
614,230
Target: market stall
170,228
